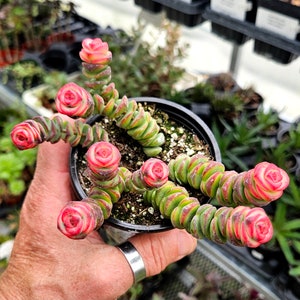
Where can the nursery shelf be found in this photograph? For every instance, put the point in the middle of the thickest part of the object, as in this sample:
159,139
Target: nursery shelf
9,98
206,13
222,259
253,31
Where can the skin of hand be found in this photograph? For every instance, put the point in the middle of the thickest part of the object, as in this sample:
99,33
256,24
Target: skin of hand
45,264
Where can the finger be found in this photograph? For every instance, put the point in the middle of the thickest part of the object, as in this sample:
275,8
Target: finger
50,186
160,249
52,176
53,158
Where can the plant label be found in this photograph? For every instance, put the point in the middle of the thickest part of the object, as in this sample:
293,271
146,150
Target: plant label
236,9
278,23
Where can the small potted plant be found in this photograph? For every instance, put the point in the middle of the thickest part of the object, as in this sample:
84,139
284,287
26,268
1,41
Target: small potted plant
163,183
22,75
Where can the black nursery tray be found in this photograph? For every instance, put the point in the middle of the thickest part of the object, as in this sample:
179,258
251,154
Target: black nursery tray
228,33
63,52
259,34
233,264
265,266
278,17
64,45
149,5
189,14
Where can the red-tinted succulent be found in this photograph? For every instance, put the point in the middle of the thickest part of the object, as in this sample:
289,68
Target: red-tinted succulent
266,181
95,51
26,135
79,218
103,159
154,172
74,101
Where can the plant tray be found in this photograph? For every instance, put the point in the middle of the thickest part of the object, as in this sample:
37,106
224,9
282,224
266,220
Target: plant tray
149,5
281,18
188,13
240,10
290,47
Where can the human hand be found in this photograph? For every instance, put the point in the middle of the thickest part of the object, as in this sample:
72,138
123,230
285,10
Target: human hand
45,264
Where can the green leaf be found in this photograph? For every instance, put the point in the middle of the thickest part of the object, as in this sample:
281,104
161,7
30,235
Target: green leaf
17,187
285,247
6,144
294,192
296,245
280,215
295,271
10,166
237,160
291,225
291,234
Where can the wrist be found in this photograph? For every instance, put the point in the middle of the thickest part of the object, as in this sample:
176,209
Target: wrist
14,287
10,288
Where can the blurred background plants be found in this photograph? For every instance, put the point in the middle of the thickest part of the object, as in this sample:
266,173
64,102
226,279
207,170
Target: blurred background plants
150,69
16,172
16,167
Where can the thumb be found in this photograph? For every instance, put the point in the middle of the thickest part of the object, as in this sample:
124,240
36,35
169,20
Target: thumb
50,188
158,250
53,159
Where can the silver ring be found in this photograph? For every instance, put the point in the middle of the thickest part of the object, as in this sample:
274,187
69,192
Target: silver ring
134,260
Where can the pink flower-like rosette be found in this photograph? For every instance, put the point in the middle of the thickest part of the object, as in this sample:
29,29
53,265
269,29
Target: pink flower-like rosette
74,101
266,182
103,159
251,226
26,135
95,51
154,172
79,218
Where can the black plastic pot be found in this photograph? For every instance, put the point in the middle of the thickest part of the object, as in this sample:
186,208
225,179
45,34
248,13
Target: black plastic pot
255,103
204,111
270,50
199,102
57,57
273,52
149,5
188,14
283,132
117,230
230,34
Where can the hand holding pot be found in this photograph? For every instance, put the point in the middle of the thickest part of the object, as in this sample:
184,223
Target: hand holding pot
47,265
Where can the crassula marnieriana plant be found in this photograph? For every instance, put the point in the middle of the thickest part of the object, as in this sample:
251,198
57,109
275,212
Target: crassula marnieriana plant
239,219
110,181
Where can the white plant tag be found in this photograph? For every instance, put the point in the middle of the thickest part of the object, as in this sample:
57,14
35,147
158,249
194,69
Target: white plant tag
278,23
236,9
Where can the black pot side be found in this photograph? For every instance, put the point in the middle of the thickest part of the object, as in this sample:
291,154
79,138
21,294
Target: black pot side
116,231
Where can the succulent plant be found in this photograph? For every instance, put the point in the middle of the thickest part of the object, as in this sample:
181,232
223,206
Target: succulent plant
238,219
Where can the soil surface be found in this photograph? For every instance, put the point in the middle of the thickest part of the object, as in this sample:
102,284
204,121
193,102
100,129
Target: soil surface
131,208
